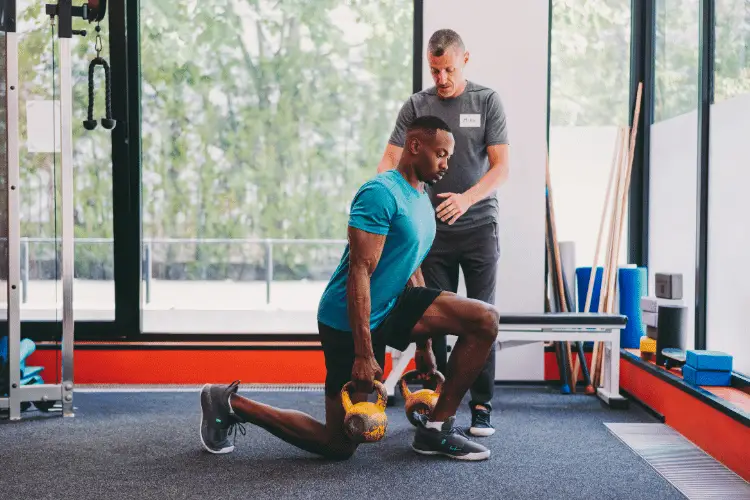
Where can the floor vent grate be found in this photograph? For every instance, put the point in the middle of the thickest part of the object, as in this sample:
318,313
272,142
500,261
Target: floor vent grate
691,470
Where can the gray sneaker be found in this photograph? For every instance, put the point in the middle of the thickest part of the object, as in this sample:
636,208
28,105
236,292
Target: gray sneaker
218,421
449,441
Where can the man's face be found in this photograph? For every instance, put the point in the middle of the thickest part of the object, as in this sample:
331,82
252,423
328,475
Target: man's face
432,155
448,71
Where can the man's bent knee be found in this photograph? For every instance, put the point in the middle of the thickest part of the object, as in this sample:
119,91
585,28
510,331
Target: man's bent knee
488,323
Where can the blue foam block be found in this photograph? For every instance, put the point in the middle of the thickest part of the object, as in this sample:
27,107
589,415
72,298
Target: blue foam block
633,282
703,377
708,360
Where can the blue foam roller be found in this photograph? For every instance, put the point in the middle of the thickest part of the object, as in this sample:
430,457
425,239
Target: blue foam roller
583,275
27,348
30,371
708,360
633,282
704,377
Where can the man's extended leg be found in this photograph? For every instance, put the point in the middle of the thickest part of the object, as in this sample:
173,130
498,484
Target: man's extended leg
479,264
297,428
475,323
224,411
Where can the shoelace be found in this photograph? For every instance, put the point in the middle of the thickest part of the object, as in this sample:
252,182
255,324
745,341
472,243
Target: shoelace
482,418
458,430
237,425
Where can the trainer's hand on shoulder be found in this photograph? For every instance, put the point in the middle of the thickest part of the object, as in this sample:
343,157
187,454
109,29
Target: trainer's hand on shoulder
364,373
454,206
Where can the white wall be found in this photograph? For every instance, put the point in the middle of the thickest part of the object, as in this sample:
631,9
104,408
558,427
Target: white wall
729,231
519,75
580,164
672,207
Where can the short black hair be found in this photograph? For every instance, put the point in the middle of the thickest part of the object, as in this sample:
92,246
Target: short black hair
429,124
444,39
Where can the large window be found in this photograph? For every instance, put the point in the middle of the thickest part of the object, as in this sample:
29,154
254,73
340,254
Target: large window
674,150
260,121
40,169
589,78
728,203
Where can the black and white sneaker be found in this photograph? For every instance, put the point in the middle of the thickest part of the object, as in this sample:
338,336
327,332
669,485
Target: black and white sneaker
218,421
481,425
449,441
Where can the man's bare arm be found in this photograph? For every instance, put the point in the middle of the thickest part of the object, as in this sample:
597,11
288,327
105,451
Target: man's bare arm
391,157
416,279
365,250
498,156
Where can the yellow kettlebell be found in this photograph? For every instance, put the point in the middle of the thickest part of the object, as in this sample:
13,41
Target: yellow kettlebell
422,401
365,422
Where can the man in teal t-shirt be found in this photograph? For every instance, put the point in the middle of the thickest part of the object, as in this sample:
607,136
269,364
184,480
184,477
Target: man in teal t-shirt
377,298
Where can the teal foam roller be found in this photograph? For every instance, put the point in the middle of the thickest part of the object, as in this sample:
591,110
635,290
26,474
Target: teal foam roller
704,377
709,360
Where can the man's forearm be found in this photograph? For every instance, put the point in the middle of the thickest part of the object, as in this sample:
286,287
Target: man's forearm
416,279
493,179
358,306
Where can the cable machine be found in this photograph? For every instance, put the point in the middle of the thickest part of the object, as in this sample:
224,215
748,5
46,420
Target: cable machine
46,395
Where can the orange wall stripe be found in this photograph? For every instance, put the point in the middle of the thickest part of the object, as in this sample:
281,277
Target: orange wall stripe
123,366
717,434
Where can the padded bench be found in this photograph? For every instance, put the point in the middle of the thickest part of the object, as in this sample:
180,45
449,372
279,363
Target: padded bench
529,328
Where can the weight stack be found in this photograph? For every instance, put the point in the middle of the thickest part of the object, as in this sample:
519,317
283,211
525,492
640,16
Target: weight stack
672,321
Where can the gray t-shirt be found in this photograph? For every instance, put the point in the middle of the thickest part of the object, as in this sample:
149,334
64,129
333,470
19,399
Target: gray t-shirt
477,119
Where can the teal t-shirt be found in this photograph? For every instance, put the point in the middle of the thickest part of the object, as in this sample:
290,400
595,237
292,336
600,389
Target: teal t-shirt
387,205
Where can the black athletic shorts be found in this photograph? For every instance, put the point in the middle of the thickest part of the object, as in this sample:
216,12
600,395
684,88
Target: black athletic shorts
394,331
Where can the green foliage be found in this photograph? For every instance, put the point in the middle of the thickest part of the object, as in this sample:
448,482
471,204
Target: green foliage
262,117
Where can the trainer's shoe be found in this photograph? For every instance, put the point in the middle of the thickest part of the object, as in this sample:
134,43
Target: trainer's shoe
449,441
481,425
218,421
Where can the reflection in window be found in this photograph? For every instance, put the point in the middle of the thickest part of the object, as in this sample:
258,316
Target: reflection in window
732,50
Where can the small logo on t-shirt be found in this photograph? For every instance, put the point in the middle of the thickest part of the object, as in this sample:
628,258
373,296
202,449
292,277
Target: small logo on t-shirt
471,120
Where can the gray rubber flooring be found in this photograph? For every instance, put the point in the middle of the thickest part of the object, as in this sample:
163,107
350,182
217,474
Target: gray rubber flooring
146,445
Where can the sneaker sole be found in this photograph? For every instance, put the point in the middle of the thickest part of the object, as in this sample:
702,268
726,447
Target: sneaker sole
481,431
222,451
470,457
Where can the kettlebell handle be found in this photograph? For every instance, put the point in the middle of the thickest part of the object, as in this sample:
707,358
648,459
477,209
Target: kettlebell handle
346,399
412,375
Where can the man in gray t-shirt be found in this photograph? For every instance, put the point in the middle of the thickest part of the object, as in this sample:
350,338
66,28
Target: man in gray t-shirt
465,198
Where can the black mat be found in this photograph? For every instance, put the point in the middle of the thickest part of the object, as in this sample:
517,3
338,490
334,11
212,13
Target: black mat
146,445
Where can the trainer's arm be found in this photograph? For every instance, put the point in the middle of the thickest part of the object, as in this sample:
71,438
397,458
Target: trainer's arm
495,176
391,157
365,250
395,146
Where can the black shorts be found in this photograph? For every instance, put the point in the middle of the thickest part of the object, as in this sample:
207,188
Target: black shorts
394,331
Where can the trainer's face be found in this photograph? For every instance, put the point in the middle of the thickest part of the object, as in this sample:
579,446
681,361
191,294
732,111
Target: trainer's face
448,71
432,156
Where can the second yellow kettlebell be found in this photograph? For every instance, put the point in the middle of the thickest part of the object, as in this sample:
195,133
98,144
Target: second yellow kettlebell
422,401
365,422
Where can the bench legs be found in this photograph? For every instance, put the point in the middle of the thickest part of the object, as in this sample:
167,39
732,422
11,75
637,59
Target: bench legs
609,393
398,369
610,390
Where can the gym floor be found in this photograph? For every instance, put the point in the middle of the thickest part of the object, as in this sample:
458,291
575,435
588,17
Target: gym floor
146,445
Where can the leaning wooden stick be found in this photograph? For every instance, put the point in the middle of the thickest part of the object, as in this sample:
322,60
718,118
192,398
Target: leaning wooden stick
621,215
558,267
616,155
608,262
